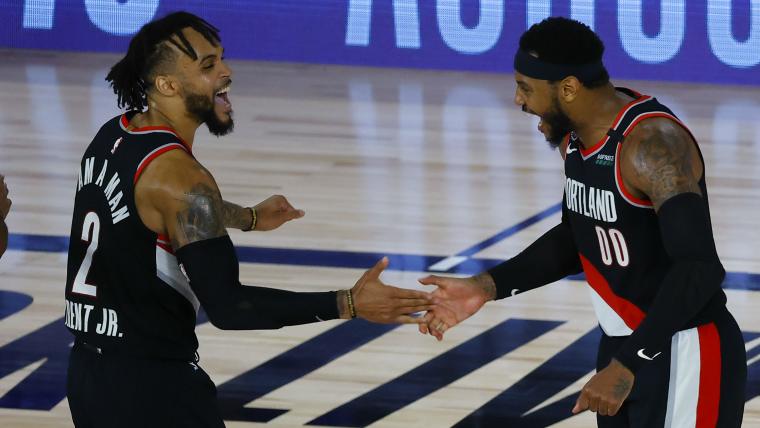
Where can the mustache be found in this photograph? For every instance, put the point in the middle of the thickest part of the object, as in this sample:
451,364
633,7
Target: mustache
226,82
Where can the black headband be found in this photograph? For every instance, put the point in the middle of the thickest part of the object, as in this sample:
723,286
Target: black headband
533,67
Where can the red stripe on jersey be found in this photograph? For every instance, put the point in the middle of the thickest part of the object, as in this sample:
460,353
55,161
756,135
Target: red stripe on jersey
147,129
588,152
165,247
709,376
154,154
627,311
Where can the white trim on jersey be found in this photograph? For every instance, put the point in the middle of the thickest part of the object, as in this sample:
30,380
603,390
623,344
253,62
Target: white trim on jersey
683,392
659,112
168,271
609,320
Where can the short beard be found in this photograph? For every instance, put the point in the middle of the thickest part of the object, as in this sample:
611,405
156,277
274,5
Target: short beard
202,108
559,124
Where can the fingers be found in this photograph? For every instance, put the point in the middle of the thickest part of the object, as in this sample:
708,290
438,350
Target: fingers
423,327
581,404
614,408
419,297
378,268
293,214
405,310
438,281
408,319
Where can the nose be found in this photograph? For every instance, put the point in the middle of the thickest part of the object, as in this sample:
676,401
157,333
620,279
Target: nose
226,70
519,100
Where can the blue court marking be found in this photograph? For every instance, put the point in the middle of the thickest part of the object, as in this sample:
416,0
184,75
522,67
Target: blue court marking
345,259
453,263
436,374
290,366
506,233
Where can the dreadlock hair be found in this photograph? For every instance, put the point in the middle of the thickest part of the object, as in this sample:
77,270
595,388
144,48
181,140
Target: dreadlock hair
148,52
559,40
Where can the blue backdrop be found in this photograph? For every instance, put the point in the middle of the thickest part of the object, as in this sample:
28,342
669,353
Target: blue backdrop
706,41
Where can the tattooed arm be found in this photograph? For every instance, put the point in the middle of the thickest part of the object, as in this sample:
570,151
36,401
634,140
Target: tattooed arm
188,207
236,217
659,160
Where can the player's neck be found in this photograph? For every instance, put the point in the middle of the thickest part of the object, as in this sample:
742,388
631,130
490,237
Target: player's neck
596,114
184,126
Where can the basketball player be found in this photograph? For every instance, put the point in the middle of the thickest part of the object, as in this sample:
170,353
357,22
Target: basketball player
636,221
149,245
5,207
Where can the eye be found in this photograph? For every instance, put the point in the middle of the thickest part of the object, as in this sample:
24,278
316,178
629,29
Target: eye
209,66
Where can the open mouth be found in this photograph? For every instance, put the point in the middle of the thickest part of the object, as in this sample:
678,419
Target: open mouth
223,99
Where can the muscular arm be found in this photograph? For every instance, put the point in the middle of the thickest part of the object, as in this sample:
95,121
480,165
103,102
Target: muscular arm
189,208
661,162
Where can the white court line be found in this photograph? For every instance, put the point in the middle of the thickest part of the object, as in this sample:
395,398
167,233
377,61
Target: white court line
447,263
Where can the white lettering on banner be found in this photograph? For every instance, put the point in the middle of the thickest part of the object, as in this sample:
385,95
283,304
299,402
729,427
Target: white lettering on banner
38,14
120,18
477,39
406,23
536,11
722,42
652,50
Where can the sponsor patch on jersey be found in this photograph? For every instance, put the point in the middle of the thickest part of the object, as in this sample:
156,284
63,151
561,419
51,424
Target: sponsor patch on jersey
605,160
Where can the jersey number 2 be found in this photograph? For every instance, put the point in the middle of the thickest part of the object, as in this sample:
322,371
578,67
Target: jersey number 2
612,241
91,223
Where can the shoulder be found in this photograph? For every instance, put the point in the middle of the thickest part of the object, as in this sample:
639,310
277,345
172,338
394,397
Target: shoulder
174,172
660,159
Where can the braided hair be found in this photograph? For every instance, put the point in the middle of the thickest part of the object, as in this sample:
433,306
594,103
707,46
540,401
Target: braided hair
149,51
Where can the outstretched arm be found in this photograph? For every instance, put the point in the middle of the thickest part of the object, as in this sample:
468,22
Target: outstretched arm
189,208
550,258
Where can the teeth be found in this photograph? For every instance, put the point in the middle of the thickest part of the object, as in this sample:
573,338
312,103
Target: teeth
224,90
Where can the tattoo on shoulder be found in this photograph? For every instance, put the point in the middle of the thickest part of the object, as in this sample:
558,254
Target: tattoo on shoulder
664,162
201,218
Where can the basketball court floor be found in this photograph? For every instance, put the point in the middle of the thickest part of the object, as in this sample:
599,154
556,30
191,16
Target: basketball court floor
438,170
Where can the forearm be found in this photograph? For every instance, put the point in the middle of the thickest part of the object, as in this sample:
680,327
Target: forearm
687,288
691,283
550,258
236,217
212,267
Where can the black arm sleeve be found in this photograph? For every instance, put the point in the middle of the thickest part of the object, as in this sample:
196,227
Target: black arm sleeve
550,258
690,284
212,267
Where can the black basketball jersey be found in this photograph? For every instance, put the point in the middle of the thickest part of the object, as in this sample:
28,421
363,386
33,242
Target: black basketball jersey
617,235
124,288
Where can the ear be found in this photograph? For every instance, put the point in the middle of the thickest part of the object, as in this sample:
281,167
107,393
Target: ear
569,88
166,85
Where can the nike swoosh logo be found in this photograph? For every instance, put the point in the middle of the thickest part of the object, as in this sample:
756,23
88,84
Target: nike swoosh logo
514,291
644,356
569,150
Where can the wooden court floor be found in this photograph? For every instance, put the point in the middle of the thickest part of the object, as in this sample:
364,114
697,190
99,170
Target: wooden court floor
418,165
